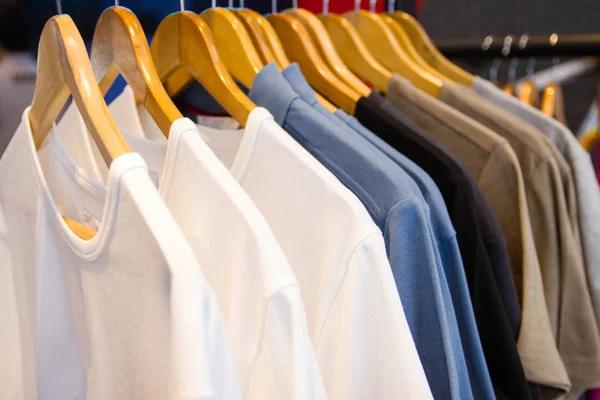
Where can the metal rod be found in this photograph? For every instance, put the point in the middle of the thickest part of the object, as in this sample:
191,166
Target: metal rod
59,7
553,45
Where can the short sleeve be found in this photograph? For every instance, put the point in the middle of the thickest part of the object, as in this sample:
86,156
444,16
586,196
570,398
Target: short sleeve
285,366
365,347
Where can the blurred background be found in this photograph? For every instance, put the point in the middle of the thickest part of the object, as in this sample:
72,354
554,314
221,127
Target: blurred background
21,23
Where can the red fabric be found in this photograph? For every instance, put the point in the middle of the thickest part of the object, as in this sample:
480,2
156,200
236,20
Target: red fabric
339,6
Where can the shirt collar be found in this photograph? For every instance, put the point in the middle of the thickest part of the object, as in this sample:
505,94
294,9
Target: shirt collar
294,77
271,91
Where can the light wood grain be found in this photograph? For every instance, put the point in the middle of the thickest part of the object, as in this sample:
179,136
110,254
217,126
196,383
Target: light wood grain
354,52
256,35
184,41
327,50
428,51
261,31
408,48
300,48
119,46
234,45
271,38
64,68
528,94
553,104
384,46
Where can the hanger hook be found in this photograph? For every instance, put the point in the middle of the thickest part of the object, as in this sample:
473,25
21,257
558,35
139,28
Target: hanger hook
356,5
116,3
325,7
273,6
512,69
391,6
507,45
242,4
59,7
372,5
495,64
182,5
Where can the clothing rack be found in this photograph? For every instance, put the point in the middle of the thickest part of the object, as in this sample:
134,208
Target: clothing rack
553,45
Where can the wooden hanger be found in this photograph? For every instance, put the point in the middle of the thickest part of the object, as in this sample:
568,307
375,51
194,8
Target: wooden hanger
407,46
327,50
354,52
428,51
184,41
256,35
120,46
528,94
553,104
300,48
234,45
270,37
262,29
384,46
63,68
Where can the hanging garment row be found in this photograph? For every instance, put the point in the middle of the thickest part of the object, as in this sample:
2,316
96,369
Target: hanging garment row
250,219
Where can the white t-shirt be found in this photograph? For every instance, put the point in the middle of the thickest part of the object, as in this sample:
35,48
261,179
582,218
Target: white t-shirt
11,373
127,314
355,318
255,286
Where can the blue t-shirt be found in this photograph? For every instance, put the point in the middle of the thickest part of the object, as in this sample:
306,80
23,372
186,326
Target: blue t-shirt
479,375
396,205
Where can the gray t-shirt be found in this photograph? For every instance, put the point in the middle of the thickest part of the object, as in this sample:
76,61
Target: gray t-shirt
559,251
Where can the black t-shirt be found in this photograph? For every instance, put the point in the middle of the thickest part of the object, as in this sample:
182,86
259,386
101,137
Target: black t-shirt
482,246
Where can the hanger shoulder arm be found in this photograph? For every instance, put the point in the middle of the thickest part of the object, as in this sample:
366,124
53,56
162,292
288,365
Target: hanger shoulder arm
63,68
299,48
119,46
183,41
354,52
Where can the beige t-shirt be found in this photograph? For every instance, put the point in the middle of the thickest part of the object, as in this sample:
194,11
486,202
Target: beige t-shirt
558,247
494,164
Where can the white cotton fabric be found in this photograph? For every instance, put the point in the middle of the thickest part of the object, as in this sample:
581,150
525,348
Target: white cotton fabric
127,314
255,286
355,319
11,373
586,184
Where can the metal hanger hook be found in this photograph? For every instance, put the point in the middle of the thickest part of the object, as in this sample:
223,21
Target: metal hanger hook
182,5
356,5
507,45
372,5
512,69
59,7
391,6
